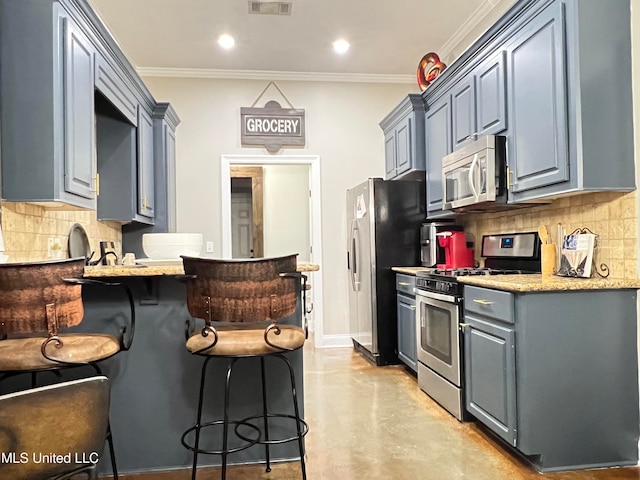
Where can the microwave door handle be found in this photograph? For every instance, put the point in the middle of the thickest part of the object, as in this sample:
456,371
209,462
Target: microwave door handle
472,183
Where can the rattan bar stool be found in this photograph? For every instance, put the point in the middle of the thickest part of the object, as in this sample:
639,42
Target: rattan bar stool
241,302
38,300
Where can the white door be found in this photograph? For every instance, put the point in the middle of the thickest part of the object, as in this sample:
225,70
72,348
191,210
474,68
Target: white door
241,225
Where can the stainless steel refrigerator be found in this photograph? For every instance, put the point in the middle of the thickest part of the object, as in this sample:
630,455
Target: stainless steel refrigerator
384,219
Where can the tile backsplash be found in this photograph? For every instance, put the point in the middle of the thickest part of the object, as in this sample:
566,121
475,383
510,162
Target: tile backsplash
27,227
613,216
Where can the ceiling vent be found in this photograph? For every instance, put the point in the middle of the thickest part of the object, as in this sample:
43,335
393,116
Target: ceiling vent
269,8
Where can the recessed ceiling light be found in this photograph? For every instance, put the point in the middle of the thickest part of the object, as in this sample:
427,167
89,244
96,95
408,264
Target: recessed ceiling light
341,46
226,41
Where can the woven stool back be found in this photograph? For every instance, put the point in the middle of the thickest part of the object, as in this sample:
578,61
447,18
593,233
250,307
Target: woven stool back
247,290
35,298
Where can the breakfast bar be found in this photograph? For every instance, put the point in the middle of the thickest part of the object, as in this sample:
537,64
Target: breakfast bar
154,385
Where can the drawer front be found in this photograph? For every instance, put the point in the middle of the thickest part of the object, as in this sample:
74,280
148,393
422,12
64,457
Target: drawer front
406,284
490,303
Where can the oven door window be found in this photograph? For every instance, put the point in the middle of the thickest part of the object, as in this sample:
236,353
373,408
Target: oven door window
435,337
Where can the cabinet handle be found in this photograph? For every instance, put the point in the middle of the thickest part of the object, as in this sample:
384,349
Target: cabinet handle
482,302
473,136
144,202
96,182
412,307
463,325
508,178
404,284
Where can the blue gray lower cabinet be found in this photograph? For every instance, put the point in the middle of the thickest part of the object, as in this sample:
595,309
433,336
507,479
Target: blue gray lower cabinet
154,385
555,374
407,343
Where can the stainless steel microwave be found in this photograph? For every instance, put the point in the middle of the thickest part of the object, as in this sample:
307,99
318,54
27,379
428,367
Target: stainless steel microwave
474,176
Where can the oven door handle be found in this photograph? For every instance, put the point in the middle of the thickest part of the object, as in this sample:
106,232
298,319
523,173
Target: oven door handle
436,296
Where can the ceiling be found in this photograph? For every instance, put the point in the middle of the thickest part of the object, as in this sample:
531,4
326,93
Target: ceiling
388,38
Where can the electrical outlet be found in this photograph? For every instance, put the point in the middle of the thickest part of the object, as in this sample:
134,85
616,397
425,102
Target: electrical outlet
209,247
54,249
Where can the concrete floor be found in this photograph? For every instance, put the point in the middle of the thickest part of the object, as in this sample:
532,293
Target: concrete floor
374,423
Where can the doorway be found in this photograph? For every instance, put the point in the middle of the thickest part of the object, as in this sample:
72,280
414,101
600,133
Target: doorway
247,212
310,219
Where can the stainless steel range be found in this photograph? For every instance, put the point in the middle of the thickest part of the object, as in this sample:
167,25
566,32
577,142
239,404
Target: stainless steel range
439,300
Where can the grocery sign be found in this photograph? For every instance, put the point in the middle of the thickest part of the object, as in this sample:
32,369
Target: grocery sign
272,126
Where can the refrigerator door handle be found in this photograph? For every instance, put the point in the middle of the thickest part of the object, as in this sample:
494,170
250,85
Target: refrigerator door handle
351,254
356,270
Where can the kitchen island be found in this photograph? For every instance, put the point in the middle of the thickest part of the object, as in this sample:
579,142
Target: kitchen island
154,385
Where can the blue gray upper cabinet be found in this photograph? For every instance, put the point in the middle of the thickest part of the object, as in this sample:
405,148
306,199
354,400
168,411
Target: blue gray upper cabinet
47,113
538,150
572,131
478,102
146,188
559,93
438,144
404,139
165,121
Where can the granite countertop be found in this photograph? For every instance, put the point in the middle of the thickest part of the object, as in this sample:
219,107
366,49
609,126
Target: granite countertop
159,270
547,283
410,270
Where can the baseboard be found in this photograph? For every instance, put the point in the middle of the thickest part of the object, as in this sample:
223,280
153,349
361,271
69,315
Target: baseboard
336,341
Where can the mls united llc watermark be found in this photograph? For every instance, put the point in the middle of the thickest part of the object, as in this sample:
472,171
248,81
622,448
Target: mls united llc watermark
83,458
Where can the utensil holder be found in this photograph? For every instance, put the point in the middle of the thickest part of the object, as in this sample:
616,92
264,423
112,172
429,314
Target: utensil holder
548,258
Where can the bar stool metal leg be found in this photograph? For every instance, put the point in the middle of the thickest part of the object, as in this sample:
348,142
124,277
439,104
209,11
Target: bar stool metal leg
225,438
265,415
297,414
199,418
112,453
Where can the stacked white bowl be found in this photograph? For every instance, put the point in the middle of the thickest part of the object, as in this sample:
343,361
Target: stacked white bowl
169,246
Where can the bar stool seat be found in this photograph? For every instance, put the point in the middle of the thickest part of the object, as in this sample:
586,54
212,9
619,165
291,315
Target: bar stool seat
19,354
241,302
241,341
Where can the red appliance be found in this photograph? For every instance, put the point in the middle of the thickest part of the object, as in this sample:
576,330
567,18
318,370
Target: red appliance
456,252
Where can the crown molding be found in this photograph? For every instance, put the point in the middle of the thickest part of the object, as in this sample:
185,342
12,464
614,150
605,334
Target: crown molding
274,75
467,27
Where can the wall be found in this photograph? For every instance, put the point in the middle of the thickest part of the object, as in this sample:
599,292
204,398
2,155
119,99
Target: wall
342,128
286,210
613,216
26,228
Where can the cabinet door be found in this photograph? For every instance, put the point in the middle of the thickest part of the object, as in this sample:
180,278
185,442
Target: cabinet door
407,331
490,376
78,84
491,95
463,111
403,146
438,143
537,103
146,196
390,155
170,152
